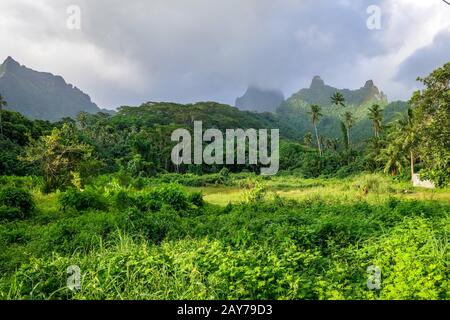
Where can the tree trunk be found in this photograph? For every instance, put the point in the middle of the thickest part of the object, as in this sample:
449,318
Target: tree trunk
412,166
348,138
318,141
1,123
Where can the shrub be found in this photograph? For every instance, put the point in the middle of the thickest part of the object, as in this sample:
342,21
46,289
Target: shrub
373,183
255,194
82,200
157,226
172,195
196,198
122,199
28,182
16,203
148,202
7,213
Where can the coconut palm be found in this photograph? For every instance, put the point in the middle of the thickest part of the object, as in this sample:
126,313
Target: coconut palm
2,104
315,117
344,134
408,138
349,122
394,158
338,99
307,139
375,114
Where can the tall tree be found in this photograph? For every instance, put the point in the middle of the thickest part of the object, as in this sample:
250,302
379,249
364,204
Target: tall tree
407,138
431,118
394,158
2,104
338,99
375,114
349,122
344,134
315,117
307,139
60,155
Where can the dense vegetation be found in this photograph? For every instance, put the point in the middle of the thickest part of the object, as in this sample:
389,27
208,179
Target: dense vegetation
100,192
150,240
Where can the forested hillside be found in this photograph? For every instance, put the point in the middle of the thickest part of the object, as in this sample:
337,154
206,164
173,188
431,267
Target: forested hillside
294,112
41,95
100,193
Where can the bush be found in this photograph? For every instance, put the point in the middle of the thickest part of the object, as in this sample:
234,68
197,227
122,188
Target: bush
7,213
373,184
16,203
82,200
122,199
172,195
196,198
147,202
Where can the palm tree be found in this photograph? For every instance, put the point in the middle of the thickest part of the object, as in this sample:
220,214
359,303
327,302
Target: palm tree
338,99
2,104
408,137
344,134
307,139
394,159
375,114
330,143
315,117
349,122
335,143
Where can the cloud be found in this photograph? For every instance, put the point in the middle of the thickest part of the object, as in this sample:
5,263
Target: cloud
185,51
425,60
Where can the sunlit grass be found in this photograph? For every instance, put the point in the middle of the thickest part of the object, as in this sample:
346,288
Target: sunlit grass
380,189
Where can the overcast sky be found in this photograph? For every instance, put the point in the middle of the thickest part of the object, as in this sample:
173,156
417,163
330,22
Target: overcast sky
129,52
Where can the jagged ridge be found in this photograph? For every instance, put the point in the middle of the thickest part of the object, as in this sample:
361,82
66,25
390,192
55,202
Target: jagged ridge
258,99
41,95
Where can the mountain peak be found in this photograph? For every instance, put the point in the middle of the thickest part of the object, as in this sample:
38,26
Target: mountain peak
317,82
9,64
10,61
369,84
320,93
41,95
260,99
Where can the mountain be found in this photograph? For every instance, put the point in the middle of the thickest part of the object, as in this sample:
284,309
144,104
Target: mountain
320,93
258,99
212,114
294,112
41,95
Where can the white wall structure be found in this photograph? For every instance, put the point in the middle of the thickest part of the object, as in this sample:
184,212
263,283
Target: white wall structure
422,183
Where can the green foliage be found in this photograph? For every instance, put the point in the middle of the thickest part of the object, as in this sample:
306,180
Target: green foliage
423,133
59,154
166,243
141,235
82,200
196,198
172,195
255,193
372,183
431,108
16,203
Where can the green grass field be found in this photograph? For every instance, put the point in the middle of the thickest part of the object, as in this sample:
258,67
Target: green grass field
331,189
250,238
